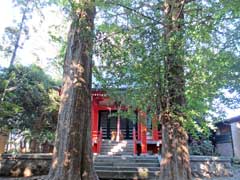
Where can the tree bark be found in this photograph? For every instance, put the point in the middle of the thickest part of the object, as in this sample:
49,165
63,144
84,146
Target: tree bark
175,163
16,45
72,157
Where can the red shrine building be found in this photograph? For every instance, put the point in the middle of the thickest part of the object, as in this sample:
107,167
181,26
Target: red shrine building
142,132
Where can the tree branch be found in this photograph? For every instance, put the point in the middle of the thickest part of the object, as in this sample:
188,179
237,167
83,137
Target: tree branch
137,12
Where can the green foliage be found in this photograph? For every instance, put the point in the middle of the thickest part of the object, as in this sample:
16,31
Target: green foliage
58,35
131,49
203,148
28,99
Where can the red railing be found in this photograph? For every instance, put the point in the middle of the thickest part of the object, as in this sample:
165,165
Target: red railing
134,142
160,135
97,141
144,139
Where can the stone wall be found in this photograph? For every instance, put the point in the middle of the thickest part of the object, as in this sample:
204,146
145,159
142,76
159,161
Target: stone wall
24,165
209,166
38,164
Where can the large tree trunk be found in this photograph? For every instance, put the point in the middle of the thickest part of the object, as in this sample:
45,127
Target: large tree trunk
175,164
72,157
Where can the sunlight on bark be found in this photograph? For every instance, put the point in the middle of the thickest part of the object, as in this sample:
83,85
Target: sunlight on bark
166,159
78,73
54,163
85,174
67,158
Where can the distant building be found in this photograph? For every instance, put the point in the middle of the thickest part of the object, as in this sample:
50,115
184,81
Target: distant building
227,138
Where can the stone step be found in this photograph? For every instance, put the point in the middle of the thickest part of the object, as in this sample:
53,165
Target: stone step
126,168
116,147
149,175
126,164
108,140
120,148
130,157
117,144
116,150
121,141
124,147
116,154
129,160
119,152
121,145
124,141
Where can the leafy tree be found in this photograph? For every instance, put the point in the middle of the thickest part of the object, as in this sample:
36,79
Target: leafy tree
29,101
172,55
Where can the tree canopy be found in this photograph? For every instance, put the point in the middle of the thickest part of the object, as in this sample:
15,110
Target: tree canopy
29,101
130,53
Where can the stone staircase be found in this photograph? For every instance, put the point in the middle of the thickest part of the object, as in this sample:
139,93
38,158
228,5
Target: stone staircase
127,167
124,147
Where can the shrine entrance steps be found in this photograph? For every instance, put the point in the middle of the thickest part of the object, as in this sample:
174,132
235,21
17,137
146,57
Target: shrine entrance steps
124,147
127,167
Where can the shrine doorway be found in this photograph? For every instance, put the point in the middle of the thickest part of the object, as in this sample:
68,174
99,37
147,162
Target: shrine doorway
108,124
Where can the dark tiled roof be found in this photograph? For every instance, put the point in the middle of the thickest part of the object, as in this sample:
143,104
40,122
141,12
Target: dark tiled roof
229,121
234,119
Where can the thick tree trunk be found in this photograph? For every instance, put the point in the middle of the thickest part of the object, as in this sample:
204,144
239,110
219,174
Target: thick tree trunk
72,157
175,163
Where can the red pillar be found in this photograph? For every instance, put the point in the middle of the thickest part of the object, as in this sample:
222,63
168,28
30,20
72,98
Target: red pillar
143,132
118,128
94,127
94,115
155,128
139,130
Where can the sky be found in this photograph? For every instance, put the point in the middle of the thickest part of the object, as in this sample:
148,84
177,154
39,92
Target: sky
39,43
38,48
